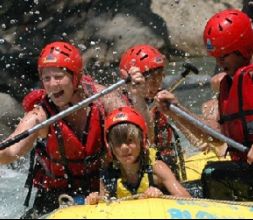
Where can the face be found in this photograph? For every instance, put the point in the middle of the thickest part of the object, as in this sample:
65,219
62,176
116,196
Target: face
58,85
153,83
127,153
231,62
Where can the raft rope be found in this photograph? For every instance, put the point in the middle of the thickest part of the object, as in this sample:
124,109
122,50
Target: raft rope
66,200
141,195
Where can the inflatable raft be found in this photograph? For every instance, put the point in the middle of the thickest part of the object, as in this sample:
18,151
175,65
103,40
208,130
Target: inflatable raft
195,164
159,208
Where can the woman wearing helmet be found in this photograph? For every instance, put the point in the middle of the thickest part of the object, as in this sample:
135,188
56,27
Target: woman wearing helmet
133,169
61,162
228,37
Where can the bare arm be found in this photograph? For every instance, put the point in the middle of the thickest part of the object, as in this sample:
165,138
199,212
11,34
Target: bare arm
112,100
141,106
136,91
165,96
168,180
210,112
94,197
21,148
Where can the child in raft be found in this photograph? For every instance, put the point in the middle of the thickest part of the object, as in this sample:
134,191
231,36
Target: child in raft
133,169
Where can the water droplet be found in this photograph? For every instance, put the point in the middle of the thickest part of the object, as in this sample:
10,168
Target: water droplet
92,43
82,47
13,21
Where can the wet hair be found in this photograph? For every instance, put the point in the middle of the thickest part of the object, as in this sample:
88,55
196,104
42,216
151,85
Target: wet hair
122,133
125,132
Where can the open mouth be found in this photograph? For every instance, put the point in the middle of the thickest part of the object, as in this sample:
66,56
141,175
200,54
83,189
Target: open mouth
58,94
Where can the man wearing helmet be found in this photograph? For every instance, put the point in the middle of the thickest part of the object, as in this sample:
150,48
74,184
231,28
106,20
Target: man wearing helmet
228,37
210,108
68,161
133,169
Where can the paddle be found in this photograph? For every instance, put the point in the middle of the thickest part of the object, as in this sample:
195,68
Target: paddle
62,114
179,79
76,107
188,68
206,128
196,122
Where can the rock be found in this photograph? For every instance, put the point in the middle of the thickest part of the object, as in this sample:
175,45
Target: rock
10,113
186,19
102,30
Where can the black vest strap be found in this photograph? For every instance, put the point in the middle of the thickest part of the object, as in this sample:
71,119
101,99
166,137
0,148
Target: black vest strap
149,171
29,180
33,168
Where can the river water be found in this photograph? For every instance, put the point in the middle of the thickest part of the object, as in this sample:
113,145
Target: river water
191,94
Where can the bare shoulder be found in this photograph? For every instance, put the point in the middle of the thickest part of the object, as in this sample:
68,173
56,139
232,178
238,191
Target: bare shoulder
99,87
162,173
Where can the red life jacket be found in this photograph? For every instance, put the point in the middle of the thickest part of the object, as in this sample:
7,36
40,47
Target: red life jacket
65,160
236,109
163,131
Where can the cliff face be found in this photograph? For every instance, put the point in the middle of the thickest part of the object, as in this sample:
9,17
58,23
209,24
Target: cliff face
102,29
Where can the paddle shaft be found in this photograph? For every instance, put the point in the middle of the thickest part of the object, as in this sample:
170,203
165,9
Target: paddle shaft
62,114
207,129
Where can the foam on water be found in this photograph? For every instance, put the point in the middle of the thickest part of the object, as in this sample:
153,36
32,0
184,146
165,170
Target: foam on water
12,193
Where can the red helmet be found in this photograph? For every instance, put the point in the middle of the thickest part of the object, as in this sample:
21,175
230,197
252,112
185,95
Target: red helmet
33,98
229,31
64,55
125,115
145,57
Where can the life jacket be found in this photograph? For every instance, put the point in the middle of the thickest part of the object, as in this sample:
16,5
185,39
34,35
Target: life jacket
168,150
64,162
117,188
163,130
236,109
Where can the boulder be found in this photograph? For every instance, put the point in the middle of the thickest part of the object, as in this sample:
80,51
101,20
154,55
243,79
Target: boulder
10,114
